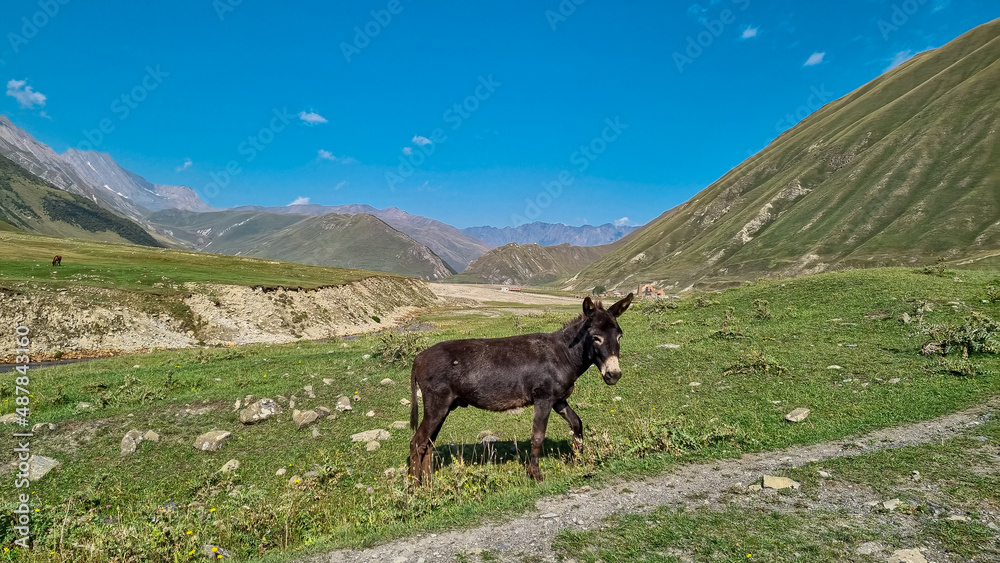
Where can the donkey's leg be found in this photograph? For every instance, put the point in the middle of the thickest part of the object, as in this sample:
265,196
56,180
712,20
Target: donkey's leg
422,444
541,421
428,467
575,424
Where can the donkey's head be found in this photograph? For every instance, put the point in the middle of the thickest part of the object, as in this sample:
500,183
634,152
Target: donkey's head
604,336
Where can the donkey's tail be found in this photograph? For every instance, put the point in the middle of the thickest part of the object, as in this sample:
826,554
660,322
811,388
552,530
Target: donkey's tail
413,396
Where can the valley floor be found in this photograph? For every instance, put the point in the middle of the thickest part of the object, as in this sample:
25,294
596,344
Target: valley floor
477,294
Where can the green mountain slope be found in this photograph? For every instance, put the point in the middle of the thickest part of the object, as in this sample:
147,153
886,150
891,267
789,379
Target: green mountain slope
530,264
28,204
904,170
358,241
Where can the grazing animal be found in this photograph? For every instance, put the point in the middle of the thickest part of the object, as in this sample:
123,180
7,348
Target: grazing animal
57,261
499,374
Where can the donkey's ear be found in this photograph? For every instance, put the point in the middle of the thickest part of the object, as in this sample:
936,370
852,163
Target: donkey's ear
588,306
620,307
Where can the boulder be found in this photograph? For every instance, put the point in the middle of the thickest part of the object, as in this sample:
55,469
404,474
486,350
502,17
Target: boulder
304,418
39,466
370,435
797,415
131,441
259,411
231,465
212,441
779,483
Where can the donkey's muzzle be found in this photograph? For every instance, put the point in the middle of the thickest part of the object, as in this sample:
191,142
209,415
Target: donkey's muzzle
610,370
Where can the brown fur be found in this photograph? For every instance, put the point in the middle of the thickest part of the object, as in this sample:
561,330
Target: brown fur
499,374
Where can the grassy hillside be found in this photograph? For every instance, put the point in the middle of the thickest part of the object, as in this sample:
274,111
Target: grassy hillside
343,241
27,258
902,171
28,204
742,359
530,264
223,232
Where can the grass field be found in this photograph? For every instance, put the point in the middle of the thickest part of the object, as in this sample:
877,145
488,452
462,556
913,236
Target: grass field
28,258
957,482
746,357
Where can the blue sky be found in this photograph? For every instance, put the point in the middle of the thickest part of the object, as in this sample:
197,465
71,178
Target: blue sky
475,112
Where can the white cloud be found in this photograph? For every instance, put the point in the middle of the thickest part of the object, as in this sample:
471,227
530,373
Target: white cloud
622,222
900,58
28,98
815,59
418,140
312,118
407,151
300,201
750,32
188,163
339,185
327,155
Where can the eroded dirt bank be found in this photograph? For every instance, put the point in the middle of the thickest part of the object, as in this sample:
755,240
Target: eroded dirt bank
90,320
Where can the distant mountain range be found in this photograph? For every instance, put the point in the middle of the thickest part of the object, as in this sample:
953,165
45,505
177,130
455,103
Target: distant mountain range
93,175
31,205
359,241
550,234
441,249
515,264
902,171
455,247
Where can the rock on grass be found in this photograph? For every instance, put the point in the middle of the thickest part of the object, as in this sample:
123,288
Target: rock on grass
212,441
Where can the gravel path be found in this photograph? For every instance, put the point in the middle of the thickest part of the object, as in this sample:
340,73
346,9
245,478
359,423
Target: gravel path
533,532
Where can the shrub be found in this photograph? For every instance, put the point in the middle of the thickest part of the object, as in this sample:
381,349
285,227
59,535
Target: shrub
761,309
599,290
755,361
730,326
993,294
703,301
979,333
656,306
393,347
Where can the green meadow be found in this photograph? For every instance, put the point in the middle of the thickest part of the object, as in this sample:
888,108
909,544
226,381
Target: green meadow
735,362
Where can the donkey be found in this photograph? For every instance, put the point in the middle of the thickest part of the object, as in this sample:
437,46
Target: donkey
499,374
57,261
